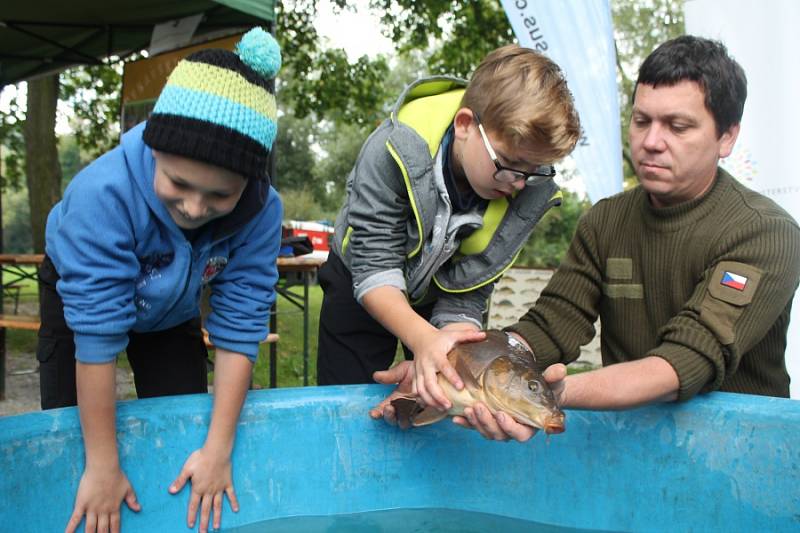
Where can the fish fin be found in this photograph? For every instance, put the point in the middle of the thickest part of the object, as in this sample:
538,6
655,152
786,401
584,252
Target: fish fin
465,373
473,358
429,415
406,409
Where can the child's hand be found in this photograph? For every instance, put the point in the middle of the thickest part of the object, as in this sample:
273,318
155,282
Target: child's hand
430,358
100,494
211,475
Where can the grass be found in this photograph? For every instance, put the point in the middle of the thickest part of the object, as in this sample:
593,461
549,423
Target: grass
290,346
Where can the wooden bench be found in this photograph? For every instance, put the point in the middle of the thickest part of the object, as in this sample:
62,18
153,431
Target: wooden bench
29,322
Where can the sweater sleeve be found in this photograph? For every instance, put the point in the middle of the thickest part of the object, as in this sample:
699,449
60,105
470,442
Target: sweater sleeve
461,307
562,320
734,305
243,293
90,240
378,215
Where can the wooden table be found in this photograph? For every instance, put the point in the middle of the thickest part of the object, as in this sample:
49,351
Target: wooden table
307,267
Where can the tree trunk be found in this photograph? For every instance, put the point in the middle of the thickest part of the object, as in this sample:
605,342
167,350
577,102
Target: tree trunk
42,168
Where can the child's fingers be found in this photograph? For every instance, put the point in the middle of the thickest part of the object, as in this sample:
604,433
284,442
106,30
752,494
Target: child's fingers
74,521
436,394
451,375
232,498
132,501
194,503
217,510
180,481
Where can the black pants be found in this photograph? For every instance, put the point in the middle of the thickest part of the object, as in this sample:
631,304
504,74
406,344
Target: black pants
352,344
168,362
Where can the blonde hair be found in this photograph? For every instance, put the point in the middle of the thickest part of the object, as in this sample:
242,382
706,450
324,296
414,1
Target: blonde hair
522,96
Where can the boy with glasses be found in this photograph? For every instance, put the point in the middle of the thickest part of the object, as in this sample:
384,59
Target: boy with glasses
441,199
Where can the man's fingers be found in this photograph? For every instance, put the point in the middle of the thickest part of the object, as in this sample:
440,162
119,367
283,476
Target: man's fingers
518,432
393,375
555,373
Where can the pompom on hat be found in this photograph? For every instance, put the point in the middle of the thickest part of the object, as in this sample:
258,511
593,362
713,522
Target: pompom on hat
219,107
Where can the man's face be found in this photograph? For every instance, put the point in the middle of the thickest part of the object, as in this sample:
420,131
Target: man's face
194,192
674,143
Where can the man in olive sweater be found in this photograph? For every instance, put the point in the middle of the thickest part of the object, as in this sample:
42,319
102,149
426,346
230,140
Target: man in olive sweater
691,273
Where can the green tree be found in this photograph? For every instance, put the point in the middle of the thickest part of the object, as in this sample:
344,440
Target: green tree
639,27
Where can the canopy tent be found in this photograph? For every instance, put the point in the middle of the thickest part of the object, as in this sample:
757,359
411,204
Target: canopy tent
45,36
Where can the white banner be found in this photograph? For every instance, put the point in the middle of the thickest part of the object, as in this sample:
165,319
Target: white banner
578,36
763,37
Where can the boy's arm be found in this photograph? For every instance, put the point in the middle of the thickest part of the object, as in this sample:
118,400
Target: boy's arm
430,345
209,468
103,485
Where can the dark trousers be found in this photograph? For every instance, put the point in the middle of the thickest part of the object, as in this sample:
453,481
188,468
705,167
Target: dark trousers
168,362
352,344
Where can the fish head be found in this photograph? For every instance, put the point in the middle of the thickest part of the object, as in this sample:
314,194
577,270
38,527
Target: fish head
511,384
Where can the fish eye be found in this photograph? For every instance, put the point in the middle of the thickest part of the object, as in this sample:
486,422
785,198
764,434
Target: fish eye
533,386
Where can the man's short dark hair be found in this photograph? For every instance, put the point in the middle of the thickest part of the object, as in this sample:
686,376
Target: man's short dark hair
707,63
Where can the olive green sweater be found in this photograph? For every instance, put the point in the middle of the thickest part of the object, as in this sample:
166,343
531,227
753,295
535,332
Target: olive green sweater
706,285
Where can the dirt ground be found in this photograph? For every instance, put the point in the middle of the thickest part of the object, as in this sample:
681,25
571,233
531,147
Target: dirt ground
22,384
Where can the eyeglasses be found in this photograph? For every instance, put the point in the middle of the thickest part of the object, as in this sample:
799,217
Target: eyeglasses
503,174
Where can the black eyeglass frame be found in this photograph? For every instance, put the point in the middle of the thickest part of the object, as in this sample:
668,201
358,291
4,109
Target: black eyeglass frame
540,175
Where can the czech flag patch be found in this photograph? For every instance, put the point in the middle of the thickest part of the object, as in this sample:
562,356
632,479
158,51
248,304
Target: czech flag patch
734,281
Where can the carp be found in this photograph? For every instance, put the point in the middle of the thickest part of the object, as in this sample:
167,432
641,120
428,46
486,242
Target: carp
498,371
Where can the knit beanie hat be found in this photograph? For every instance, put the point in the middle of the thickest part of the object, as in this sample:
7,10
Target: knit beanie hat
219,107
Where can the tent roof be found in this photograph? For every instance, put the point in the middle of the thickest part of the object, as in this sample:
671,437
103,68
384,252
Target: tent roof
39,37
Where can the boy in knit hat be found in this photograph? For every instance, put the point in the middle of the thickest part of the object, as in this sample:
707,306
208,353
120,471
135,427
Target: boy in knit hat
442,197
182,203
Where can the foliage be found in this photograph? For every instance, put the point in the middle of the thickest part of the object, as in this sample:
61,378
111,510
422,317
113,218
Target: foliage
463,31
12,144
639,27
294,158
324,82
92,92
550,240
300,204
16,222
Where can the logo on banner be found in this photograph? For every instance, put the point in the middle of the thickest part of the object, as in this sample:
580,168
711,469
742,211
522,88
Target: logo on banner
734,281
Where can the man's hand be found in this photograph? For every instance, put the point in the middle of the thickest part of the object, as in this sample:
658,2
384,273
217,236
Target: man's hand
211,476
501,426
99,497
401,374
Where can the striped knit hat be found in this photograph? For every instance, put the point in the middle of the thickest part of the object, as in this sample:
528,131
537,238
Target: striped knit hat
219,107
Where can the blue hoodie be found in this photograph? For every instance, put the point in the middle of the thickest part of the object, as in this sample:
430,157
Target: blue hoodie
125,265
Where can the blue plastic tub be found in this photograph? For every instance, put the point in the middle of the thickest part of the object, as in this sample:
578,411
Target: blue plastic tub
720,462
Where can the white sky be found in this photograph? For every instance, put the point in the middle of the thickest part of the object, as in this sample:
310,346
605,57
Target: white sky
358,33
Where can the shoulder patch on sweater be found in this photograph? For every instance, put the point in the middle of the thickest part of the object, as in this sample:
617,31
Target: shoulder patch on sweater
730,290
733,282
